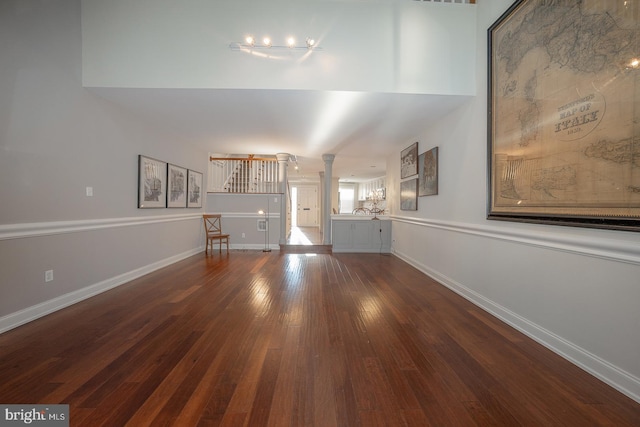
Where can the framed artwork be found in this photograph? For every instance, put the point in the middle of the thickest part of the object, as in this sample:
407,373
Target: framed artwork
409,195
177,187
152,183
428,173
563,132
409,161
194,189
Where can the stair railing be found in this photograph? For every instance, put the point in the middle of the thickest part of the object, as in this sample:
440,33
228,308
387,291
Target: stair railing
243,175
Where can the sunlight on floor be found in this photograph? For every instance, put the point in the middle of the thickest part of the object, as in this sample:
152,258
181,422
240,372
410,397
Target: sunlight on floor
304,236
298,237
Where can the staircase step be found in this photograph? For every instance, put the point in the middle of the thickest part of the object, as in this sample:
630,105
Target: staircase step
306,249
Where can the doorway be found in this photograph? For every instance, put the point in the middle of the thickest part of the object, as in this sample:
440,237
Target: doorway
304,216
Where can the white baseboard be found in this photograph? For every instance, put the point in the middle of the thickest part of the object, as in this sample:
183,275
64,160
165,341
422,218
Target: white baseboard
28,314
599,368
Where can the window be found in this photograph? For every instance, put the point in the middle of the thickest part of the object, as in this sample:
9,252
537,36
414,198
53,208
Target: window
347,195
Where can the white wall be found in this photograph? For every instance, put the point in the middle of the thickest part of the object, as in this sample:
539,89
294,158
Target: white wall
240,215
56,139
575,290
380,46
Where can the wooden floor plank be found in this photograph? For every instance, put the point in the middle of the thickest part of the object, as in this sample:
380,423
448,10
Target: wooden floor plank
248,338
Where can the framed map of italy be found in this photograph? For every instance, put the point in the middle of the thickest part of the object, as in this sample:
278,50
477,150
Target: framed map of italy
564,113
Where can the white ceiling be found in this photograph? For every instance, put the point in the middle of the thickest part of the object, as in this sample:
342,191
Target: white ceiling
361,129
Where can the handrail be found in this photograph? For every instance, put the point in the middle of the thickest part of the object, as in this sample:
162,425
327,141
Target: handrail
265,159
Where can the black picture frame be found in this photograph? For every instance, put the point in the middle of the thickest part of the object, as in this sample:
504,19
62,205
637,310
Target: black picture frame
554,156
152,183
176,186
195,191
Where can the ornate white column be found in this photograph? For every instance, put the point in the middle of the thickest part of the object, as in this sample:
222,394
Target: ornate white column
326,199
283,162
321,210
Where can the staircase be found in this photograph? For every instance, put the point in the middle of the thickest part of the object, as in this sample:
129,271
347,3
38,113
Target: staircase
244,178
243,175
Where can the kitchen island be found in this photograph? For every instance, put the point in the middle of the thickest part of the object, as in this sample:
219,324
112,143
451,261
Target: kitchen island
360,234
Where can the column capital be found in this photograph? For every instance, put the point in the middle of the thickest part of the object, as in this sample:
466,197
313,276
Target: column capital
283,157
328,158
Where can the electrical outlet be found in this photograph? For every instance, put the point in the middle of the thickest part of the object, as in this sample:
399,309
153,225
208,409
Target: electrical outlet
243,235
48,276
89,191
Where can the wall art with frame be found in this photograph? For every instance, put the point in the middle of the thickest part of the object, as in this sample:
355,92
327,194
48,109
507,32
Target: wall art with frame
194,189
428,173
409,195
409,161
177,187
564,114
152,183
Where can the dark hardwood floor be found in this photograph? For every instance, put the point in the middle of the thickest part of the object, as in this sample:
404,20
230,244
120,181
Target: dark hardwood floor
251,338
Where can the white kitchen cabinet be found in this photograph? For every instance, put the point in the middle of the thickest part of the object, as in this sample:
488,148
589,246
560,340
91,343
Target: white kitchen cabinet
352,233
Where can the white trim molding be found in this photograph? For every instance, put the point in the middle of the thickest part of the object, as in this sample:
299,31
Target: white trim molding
40,229
617,378
609,249
247,215
34,312
612,250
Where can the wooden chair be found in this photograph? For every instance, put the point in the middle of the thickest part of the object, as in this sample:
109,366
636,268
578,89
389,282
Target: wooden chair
213,227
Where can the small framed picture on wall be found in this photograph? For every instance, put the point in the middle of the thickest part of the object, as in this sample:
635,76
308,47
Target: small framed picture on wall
428,173
409,161
152,183
409,195
177,184
194,189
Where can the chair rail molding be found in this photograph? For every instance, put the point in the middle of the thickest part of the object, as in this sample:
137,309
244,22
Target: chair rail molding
39,229
246,214
604,248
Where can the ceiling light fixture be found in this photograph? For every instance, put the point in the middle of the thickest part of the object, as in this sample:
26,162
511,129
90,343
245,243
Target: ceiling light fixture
267,43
